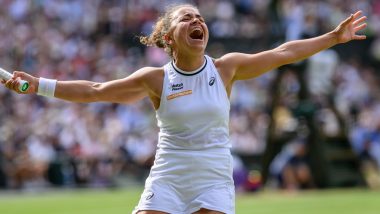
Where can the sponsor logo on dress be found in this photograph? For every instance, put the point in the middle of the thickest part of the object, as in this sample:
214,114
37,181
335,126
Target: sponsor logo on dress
176,86
179,94
212,81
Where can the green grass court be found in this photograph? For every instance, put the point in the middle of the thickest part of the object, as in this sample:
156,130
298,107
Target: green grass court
123,201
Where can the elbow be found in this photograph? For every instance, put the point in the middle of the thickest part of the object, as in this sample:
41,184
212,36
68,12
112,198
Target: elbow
79,91
94,93
89,94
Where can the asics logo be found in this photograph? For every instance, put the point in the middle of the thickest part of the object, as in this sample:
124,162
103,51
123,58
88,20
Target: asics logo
212,81
149,196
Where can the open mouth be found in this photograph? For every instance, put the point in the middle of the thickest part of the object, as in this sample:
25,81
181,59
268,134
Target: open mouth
196,34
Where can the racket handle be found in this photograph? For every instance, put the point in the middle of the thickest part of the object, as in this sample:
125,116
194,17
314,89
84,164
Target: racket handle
23,85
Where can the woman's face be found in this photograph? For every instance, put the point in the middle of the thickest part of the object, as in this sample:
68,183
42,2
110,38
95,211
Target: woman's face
188,31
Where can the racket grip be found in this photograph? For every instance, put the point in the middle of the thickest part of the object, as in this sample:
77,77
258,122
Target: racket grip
23,85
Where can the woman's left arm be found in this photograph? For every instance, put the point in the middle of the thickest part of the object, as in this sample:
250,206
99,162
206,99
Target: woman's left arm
246,66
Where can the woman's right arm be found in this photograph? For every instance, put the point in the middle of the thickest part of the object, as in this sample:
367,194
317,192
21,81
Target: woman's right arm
126,90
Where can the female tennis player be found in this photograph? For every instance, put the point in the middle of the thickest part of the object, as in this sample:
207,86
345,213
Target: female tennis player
192,172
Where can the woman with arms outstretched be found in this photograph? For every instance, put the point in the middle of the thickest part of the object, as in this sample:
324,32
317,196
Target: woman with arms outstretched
192,172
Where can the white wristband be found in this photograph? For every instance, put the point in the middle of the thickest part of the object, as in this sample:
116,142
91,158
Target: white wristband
46,87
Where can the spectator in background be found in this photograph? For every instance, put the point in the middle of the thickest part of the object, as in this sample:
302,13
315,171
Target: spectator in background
365,140
290,168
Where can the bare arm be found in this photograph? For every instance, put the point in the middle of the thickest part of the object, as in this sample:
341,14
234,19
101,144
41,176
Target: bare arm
246,66
126,90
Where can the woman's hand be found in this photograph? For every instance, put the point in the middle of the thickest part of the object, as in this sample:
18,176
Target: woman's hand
13,83
347,30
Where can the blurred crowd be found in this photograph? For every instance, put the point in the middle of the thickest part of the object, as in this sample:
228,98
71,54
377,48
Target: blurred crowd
48,142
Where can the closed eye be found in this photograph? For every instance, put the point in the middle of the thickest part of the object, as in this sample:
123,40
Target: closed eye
185,19
201,18
188,17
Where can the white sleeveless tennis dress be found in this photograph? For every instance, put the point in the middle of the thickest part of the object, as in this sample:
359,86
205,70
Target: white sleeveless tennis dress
193,163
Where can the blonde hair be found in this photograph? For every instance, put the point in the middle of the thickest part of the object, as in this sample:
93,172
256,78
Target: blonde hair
161,28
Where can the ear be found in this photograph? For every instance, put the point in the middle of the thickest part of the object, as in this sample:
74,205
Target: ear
167,39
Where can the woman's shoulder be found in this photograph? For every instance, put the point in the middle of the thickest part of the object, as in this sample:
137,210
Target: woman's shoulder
225,67
151,72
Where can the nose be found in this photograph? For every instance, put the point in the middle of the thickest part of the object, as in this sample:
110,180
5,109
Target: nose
195,20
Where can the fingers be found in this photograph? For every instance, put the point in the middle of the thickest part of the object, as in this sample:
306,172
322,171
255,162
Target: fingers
18,74
348,20
359,21
354,17
360,37
360,27
12,84
357,14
